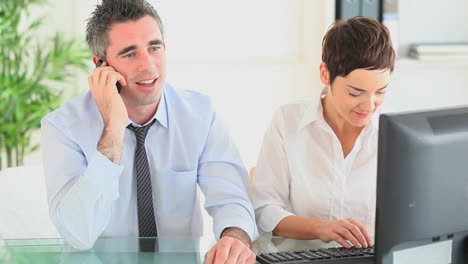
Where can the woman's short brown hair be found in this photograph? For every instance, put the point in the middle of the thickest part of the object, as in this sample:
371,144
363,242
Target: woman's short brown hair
357,43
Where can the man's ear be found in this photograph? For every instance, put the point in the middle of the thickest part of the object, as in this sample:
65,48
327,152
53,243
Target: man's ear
324,74
95,59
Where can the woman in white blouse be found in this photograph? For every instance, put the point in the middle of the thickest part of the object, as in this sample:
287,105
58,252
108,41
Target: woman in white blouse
316,173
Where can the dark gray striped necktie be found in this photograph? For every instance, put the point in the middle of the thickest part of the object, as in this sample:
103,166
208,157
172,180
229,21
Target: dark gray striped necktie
146,221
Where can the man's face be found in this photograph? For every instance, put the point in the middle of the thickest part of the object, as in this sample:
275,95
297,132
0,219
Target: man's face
357,96
137,51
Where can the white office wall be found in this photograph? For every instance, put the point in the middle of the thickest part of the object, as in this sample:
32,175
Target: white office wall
250,56
428,85
432,21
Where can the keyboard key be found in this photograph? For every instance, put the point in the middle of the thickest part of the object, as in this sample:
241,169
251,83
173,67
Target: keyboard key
285,255
270,257
278,256
295,256
307,256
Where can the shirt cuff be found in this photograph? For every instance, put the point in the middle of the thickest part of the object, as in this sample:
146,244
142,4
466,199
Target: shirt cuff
234,215
270,216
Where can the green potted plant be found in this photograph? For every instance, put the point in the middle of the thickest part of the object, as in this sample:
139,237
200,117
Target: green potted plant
30,74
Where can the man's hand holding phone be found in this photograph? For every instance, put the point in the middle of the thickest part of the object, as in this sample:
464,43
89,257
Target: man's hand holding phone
103,89
119,86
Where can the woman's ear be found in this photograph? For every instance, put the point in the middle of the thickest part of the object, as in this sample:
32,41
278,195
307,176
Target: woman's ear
324,74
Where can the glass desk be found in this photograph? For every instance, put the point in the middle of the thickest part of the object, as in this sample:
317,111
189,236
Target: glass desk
171,250
126,250
105,250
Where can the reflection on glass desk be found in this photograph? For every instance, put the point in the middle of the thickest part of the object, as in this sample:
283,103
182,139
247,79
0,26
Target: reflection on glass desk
105,250
126,250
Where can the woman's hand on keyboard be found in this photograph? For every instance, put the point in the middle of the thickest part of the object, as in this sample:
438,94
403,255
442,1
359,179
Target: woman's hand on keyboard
343,231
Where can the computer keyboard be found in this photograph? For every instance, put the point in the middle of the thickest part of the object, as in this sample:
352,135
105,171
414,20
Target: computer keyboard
339,255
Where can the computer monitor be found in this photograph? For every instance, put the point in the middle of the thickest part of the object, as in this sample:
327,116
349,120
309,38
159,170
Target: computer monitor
422,182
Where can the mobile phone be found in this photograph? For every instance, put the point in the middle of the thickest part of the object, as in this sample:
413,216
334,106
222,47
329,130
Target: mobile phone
119,86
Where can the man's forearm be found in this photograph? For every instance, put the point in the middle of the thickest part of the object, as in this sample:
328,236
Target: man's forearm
239,234
110,143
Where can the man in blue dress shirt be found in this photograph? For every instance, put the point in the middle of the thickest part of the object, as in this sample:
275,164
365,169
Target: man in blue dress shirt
91,156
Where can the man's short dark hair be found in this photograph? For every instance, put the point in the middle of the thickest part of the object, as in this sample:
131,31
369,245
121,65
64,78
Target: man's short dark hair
357,43
110,12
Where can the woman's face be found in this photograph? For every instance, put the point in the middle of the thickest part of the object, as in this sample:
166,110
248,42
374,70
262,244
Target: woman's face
356,97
